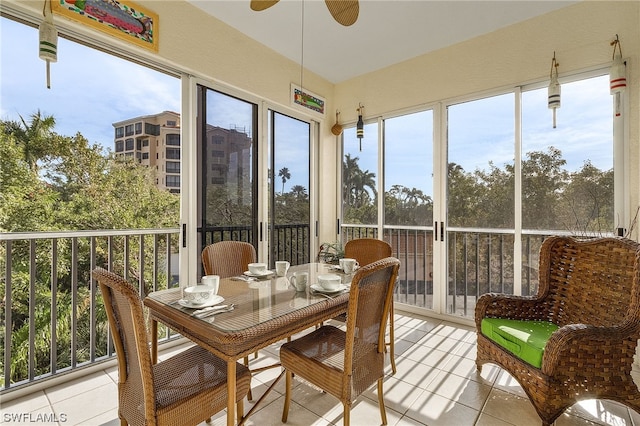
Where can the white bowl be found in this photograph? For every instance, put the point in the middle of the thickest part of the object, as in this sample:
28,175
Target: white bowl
199,294
257,268
329,282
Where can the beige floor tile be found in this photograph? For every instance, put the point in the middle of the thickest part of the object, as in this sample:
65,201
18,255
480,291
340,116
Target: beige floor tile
78,386
26,403
110,418
366,412
313,399
635,418
408,421
298,416
507,383
426,355
401,346
460,389
454,331
409,334
487,420
466,367
398,395
511,408
101,400
601,411
435,410
415,321
466,350
415,373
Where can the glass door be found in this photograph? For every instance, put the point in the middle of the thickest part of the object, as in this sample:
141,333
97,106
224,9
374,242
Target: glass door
480,201
227,196
409,202
289,214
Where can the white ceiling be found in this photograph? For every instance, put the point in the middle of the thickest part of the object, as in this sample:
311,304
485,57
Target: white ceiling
386,32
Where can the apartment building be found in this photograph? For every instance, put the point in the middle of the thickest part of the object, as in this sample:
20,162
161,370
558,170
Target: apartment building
153,141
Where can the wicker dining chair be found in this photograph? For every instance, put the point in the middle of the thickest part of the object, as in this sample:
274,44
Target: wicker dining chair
346,363
365,251
228,258
590,291
186,389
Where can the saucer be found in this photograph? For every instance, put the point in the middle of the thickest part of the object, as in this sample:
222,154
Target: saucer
318,288
214,301
260,275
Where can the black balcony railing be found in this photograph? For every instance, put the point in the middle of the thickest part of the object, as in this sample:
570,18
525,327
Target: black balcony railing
478,261
54,320
288,242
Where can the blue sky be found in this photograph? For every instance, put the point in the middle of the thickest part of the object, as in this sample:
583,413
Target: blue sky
91,90
77,100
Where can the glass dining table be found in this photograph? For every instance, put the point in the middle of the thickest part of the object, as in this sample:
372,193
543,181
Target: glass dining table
266,310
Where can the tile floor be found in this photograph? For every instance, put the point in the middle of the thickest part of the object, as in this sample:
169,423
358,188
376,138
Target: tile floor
436,384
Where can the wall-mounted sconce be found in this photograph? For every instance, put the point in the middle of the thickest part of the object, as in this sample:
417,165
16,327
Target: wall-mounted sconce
554,88
48,36
617,75
360,125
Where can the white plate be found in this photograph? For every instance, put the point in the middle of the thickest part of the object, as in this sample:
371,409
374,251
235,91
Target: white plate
263,274
320,289
214,301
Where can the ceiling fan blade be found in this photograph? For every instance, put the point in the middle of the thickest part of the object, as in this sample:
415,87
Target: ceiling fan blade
259,5
344,12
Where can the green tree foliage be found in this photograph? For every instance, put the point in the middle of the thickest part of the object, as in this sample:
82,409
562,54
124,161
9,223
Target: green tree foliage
553,198
54,182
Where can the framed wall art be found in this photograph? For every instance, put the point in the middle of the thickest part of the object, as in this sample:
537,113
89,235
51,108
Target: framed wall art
121,18
308,100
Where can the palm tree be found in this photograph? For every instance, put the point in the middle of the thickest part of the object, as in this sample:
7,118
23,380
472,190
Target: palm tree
36,138
299,191
285,175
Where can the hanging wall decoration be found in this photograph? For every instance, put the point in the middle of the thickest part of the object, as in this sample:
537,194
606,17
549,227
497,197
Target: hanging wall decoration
48,35
617,75
554,89
308,100
121,18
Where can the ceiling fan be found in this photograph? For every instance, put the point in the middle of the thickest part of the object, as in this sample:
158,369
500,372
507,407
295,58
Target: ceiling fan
345,12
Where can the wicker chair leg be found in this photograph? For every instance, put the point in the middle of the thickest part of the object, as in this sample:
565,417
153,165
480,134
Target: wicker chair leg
246,363
383,411
347,414
123,422
240,408
287,396
392,355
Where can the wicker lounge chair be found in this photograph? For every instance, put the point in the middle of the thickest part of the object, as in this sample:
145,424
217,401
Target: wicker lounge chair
344,364
365,251
185,389
590,290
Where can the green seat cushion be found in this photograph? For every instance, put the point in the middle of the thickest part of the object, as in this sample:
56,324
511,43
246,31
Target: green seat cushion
524,339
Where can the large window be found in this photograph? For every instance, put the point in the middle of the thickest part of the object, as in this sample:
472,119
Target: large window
408,169
501,191
360,177
567,172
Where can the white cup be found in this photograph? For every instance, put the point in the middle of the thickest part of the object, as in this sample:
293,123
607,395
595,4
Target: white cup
258,268
198,294
300,280
211,281
282,266
348,265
